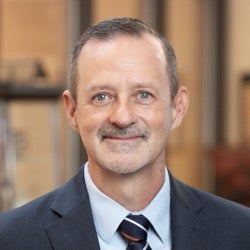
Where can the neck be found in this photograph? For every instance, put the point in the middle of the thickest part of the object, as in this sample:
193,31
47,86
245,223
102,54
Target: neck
133,191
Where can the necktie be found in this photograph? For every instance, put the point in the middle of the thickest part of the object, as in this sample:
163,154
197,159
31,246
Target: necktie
134,228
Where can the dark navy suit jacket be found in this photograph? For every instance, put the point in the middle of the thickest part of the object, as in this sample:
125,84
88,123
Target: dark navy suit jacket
63,220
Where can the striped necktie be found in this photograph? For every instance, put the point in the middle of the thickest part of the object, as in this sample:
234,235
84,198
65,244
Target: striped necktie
134,228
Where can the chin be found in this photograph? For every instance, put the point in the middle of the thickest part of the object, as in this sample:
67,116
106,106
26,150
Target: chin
124,167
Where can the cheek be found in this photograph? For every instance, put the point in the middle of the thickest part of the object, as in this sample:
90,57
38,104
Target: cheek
160,121
87,127
160,114
89,122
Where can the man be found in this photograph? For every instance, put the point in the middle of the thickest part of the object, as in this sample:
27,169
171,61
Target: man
124,101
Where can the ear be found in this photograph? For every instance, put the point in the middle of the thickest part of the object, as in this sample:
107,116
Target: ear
70,108
180,106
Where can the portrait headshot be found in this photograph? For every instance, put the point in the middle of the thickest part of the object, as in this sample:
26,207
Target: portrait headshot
124,100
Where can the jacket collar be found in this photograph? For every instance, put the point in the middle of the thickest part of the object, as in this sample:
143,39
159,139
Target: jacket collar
74,227
190,229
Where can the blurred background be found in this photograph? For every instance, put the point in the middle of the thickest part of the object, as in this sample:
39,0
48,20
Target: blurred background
38,150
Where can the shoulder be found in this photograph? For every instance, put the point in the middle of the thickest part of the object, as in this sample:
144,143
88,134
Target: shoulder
217,210
226,223
218,205
32,218
29,219
33,212
61,199
230,220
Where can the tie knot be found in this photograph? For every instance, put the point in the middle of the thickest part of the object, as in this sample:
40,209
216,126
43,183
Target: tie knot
135,227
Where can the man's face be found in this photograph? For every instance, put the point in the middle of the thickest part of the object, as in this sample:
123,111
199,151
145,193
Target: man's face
123,113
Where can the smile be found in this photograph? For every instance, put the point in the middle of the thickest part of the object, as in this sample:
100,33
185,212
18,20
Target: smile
123,138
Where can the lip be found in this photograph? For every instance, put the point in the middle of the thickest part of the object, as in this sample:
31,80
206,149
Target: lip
123,138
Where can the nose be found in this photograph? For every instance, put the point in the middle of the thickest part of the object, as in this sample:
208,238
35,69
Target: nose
122,114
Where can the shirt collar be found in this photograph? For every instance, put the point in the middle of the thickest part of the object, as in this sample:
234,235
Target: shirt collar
108,214
158,211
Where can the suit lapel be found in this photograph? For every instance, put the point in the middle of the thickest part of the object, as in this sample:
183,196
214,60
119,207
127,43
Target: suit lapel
72,231
189,228
74,227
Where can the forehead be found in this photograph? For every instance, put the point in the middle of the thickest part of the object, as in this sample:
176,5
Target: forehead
121,45
123,61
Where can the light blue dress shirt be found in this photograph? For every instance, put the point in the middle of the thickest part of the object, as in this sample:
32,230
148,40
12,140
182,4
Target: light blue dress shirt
108,214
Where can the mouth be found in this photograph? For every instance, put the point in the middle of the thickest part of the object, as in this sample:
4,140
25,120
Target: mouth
131,134
123,137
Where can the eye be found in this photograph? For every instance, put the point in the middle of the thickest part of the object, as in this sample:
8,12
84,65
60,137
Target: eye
100,97
144,95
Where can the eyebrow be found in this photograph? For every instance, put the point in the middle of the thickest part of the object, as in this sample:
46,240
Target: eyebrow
99,87
111,87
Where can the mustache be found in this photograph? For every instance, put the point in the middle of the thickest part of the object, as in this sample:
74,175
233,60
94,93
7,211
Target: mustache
131,131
